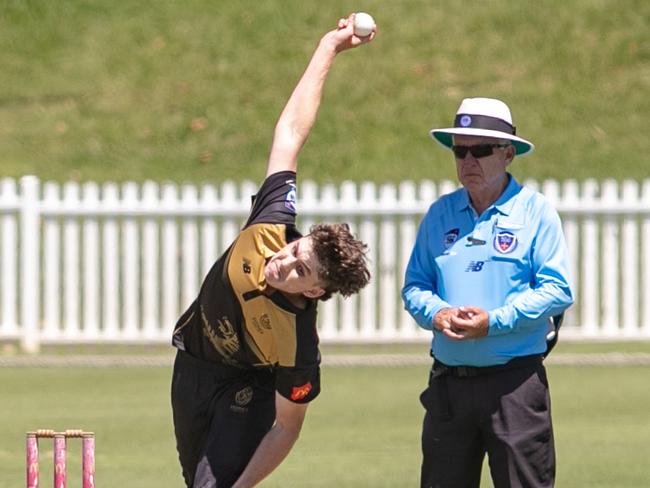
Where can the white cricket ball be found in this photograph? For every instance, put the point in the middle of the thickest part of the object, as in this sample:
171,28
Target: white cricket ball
363,24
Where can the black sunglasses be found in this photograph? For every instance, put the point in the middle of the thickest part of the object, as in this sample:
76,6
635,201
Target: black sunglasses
478,150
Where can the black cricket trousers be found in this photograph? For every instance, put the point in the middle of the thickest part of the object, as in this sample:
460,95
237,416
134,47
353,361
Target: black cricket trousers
501,411
220,415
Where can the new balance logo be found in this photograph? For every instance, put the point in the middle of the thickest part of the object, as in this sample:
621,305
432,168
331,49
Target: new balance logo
475,266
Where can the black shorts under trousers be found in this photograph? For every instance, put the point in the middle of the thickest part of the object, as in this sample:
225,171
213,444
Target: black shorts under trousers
503,411
220,415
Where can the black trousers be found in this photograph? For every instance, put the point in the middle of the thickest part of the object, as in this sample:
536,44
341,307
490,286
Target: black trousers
220,415
502,411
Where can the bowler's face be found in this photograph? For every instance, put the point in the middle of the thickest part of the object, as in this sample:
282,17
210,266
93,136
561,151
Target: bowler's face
481,175
294,269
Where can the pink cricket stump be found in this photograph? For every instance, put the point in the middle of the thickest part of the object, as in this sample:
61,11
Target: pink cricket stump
32,460
88,462
59,461
60,456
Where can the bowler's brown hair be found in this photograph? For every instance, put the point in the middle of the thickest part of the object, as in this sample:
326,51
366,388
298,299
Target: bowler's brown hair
343,263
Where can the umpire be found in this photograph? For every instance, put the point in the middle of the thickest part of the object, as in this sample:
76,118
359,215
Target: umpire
488,271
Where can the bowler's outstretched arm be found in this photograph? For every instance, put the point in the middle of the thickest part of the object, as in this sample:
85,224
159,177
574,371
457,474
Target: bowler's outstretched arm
299,114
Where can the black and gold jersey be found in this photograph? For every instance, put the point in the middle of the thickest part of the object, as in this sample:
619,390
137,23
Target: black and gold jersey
234,322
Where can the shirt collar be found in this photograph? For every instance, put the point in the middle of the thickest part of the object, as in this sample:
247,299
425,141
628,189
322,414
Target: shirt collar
463,202
506,201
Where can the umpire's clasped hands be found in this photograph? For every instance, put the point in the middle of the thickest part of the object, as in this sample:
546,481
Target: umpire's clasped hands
459,323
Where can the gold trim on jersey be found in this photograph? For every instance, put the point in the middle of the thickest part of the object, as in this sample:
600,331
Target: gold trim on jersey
269,330
184,324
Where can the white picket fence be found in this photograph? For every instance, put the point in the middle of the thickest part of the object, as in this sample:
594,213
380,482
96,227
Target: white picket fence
119,263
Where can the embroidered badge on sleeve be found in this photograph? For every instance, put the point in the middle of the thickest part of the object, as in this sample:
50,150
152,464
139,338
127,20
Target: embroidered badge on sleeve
300,392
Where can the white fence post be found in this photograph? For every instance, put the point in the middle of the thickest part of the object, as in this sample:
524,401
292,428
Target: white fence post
90,259
610,265
51,263
406,238
645,260
9,258
29,265
572,235
229,226
130,264
589,291
387,261
150,263
209,230
111,274
189,245
630,280
368,234
71,262
352,311
170,258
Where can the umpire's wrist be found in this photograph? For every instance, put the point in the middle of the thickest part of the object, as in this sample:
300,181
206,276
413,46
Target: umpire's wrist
435,317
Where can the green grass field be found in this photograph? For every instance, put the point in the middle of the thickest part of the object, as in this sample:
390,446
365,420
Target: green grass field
363,431
101,90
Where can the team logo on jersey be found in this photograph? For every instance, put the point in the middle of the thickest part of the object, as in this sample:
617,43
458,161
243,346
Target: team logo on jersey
262,324
246,266
505,242
450,237
290,198
300,392
224,339
266,321
244,396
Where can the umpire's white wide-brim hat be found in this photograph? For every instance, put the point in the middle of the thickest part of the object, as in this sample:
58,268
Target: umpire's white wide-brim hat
487,117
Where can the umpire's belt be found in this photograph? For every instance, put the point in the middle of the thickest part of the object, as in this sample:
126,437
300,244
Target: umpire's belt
441,369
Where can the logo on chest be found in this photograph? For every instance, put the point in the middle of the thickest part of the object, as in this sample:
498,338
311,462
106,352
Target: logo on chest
474,266
505,242
264,323
450,237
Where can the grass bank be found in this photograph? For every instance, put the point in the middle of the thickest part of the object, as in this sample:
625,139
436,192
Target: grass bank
190,91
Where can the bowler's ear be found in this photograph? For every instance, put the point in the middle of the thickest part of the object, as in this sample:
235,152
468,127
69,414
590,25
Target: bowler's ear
314,292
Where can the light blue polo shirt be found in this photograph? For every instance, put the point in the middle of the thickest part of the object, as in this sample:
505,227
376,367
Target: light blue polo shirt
511,261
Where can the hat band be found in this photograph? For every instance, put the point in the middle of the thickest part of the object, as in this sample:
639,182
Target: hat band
484,122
